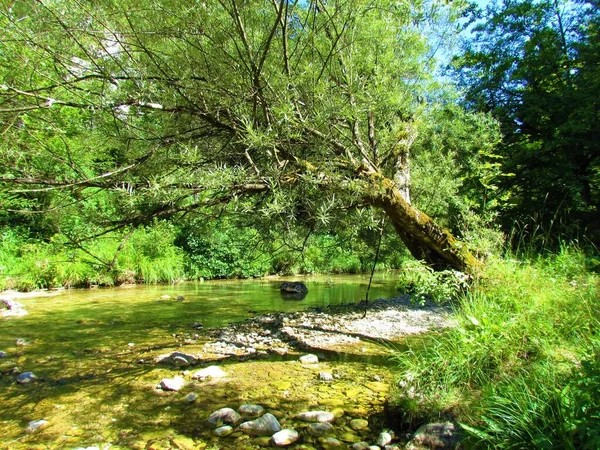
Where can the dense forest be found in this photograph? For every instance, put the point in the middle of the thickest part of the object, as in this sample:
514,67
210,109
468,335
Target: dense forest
161,141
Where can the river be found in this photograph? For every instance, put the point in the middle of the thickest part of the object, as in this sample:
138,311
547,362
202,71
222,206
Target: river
92,351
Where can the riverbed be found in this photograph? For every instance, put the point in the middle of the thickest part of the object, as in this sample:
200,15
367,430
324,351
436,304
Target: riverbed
94,353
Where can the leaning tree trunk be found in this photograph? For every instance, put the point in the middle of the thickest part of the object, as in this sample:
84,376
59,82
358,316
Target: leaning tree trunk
426,240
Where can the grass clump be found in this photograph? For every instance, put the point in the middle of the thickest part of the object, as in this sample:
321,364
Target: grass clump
521,366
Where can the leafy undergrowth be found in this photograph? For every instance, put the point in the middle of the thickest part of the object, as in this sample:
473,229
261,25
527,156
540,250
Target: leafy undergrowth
522,368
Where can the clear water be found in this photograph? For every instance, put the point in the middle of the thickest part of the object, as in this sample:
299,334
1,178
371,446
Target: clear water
86,345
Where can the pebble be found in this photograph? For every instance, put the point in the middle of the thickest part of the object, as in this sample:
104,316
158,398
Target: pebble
224,415
35,425
359,424
330,443
191,397
249,411
223,431
285,437
211,372
172,384
26,377
384,438
319,429
309,359
266,425
317,416
325,376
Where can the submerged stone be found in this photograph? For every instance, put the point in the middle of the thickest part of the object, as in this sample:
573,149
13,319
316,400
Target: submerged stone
285,437
223,431
319,429
26,377
2,354
210,372
172,384
266,425
223,415
178,359
191,397
361,446
325,376
317,416
384,438
249,411
36,425
309,359
330,443
359,424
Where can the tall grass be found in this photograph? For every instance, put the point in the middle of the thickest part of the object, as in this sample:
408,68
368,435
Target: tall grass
509,367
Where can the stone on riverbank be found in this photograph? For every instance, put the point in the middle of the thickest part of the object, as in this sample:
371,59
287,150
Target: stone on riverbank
210,372
251,411
316,416
442,436
26,377
285,437
223,415
266,425
172,384
177,359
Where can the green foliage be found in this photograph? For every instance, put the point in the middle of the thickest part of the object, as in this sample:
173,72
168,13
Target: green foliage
533,65
425,284
512,360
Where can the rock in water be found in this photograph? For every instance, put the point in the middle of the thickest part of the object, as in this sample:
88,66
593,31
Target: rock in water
359,424
2,354
26,377
384,438
35,425
172,384
223,415
361,446
211,372
309,359
293,287
325,376
223,431
266,425
191,397
285,437
251,411
317,416
330,443
319,429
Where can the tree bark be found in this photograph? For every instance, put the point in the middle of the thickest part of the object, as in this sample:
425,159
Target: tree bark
426,240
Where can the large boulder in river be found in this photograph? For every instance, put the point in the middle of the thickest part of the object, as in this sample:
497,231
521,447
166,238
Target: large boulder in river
297,289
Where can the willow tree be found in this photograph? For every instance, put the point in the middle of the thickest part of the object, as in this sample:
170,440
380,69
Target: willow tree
163,108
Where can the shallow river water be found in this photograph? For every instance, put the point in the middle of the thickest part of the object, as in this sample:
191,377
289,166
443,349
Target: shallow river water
93,352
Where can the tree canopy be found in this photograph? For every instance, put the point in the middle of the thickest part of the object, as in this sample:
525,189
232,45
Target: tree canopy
284,109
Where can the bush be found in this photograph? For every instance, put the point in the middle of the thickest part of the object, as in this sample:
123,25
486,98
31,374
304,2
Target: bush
425,284
519,360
